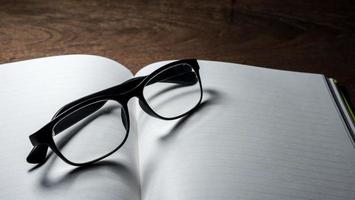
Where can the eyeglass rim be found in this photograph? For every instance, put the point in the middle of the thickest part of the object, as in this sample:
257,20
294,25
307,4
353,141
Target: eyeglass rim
147,108
126,115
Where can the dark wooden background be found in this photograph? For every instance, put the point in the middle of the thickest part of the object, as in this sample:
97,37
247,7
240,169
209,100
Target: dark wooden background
302,35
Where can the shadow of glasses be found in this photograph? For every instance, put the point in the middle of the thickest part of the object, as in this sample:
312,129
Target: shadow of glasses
121,171
211,98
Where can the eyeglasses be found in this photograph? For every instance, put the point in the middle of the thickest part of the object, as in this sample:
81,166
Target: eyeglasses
93,127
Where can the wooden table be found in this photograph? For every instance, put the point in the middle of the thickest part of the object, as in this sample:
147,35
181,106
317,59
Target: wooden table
312,36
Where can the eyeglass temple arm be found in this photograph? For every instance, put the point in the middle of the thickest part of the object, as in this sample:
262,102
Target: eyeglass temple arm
184,78
181,76
37,154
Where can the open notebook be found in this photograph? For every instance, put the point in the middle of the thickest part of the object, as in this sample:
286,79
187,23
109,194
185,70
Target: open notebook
258,134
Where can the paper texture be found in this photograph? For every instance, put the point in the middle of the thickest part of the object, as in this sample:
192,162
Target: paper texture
259,134
31,92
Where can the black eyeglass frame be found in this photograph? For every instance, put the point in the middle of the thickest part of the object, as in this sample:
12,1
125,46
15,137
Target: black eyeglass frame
122,93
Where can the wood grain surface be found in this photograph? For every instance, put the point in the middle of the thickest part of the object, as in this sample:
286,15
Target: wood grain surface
306,35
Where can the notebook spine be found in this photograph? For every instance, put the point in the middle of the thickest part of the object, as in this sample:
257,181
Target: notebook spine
344,107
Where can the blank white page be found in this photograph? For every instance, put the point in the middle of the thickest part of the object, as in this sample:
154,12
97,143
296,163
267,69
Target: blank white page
31,92
260,134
